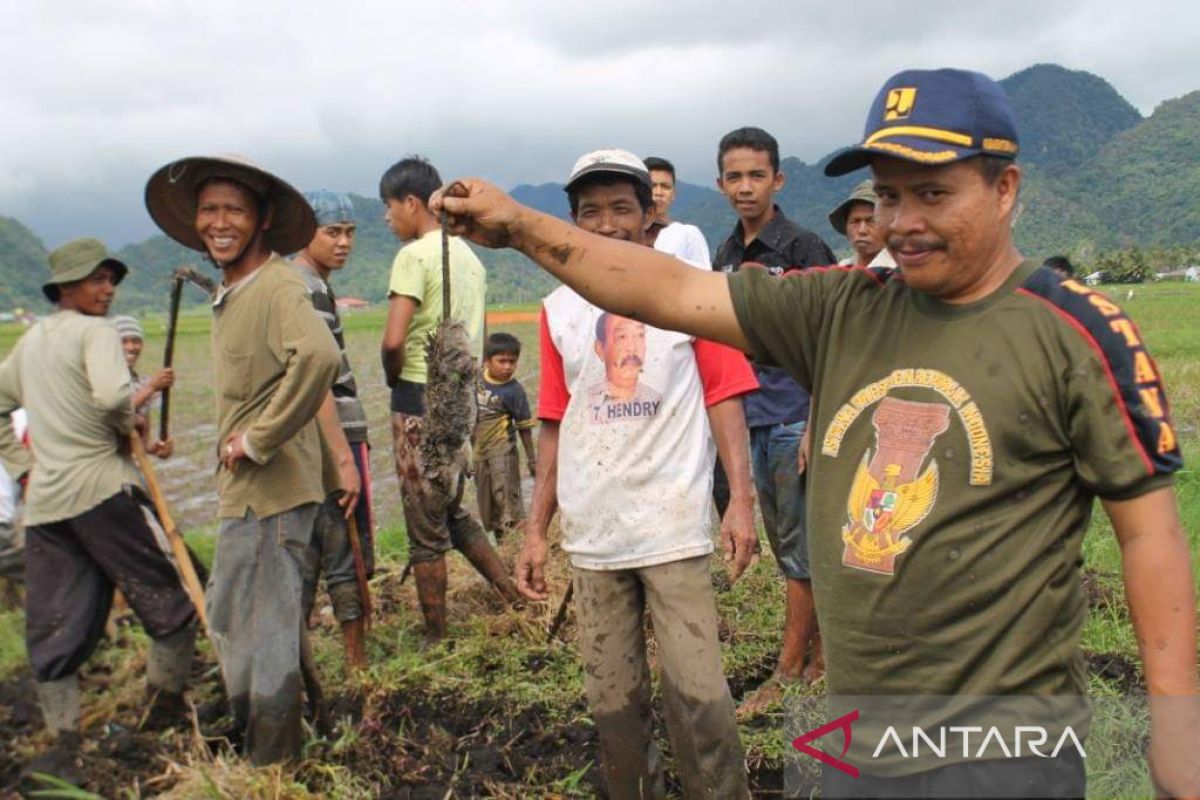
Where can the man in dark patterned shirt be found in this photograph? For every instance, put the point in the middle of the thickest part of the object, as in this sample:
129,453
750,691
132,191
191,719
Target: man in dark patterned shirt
344,425
748,159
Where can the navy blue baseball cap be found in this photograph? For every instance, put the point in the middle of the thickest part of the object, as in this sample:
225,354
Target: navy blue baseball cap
934,117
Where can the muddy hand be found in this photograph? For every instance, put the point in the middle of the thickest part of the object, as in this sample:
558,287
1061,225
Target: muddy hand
805,448
530,569
163,448
478,211
1174,760
351,488
739,539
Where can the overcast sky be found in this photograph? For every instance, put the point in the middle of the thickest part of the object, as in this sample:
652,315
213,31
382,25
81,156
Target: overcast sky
96,95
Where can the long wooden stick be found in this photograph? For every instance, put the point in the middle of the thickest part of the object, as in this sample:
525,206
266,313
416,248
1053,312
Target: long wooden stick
183,559
360,569
169,356
561,616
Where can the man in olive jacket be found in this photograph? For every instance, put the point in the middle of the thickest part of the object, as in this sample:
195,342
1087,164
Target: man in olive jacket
274,362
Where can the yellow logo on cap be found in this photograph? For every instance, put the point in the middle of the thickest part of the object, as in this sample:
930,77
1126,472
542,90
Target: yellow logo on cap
900,103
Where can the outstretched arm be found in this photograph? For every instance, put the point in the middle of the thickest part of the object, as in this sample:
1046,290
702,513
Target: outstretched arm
1162,603
621,277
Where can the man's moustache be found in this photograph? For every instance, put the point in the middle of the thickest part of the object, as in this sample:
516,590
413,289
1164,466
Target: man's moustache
627,360
914,243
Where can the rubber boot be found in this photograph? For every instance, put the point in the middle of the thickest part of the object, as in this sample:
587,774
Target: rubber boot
354,637
312,687
60,704
431,592
479,551
167,669
60,708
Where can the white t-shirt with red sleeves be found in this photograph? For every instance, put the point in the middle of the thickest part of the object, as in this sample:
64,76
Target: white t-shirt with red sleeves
635,451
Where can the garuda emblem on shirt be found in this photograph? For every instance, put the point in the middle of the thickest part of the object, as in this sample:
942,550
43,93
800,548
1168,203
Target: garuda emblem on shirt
891,493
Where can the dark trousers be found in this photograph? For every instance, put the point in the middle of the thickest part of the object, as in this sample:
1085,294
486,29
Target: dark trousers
364,514
1063,776
71,567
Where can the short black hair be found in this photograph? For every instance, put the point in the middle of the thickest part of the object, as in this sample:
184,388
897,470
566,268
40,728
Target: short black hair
645,198
602,328
501,343
991,167
1060,264
661,164
412,175
755,139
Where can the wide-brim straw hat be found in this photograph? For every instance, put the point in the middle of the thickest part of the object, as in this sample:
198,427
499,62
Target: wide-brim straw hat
171,200
76,260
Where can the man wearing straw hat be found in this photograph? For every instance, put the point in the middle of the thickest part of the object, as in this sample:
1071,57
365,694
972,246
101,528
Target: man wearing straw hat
90,527
274,362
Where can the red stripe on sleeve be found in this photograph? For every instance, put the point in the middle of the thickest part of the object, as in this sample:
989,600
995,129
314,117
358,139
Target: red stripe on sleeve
553,394
724,371
1112,379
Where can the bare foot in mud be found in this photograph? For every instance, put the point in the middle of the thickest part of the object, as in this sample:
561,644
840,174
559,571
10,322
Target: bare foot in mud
815,669
767,696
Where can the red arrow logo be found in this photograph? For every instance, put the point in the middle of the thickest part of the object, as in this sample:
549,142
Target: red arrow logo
842,723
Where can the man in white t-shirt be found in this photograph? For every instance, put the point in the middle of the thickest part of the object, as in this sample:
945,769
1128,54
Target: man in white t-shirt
685,242
629,417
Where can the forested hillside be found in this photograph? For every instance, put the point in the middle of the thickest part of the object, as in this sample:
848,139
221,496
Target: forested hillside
1098,177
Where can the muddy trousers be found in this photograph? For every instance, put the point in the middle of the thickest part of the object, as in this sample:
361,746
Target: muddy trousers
254,610
434,516
72,567
330,552
704,739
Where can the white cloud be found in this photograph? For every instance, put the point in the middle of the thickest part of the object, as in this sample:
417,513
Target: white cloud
97,95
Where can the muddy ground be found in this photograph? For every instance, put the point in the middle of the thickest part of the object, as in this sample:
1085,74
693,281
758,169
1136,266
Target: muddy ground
406,747
402,742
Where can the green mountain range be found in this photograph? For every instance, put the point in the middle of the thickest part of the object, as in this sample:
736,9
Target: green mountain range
1098,177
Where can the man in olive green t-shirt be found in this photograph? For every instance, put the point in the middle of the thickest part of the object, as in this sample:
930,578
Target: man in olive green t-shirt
968,408
435,517
274,363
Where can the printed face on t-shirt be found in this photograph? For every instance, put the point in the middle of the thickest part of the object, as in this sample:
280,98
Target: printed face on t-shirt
622,348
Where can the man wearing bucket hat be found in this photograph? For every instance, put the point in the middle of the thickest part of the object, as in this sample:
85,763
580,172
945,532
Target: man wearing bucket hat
968,408
855,219
90,528
344,424
274,362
